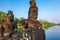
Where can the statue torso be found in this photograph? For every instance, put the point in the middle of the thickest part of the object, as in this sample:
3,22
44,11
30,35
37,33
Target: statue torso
8,26
35,24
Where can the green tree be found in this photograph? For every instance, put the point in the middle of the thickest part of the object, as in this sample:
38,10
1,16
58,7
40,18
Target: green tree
46,24
2,16
16,20
22,18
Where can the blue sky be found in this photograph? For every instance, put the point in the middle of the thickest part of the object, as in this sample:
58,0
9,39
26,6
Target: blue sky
48,9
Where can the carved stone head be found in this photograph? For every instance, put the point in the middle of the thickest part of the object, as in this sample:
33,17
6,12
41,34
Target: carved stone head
10,16
33,10
32,3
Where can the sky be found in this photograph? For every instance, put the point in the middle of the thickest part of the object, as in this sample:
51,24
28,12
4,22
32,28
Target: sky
47,9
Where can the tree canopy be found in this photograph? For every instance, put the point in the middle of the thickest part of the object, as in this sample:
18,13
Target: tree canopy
2,16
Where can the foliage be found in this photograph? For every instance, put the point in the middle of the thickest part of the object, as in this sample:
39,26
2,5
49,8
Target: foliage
20,27
2,16
46,24
16,20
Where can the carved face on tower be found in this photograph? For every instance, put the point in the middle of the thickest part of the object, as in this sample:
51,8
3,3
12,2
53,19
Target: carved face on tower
10,16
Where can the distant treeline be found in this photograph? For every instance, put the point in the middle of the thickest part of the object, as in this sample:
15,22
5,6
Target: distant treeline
45,24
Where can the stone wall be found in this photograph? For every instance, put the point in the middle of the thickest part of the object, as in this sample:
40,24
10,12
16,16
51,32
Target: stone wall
28,35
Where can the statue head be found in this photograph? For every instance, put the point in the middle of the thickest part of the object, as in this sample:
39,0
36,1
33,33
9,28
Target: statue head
33,11
10,16
33,14
32,3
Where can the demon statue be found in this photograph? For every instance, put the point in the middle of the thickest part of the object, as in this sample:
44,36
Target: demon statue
8,26
32,24
35,31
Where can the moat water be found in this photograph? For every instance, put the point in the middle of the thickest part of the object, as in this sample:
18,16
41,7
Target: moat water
53,33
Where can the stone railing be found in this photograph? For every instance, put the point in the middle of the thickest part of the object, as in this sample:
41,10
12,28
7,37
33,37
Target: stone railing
28,35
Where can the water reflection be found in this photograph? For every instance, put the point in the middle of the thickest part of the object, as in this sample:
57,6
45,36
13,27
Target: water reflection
53,33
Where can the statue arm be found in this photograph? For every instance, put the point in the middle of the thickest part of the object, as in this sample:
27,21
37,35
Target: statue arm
1,30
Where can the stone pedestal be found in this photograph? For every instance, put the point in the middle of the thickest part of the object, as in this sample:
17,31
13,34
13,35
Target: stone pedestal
30,35
35,34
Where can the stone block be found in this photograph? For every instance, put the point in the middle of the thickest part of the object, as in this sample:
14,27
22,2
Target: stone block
28,35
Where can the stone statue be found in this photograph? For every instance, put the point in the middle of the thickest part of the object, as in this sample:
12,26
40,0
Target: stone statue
33,23
33,9
32,28
8,26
